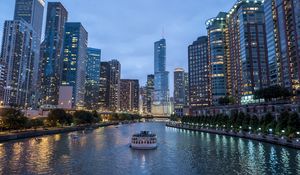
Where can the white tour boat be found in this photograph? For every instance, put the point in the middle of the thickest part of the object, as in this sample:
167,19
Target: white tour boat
144,140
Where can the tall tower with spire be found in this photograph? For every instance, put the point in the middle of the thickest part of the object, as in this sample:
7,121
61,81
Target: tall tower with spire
161,80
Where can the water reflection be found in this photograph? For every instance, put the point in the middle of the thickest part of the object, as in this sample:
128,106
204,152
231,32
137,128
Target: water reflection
106,151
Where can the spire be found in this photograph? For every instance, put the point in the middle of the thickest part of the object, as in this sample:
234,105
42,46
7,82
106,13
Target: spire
163,33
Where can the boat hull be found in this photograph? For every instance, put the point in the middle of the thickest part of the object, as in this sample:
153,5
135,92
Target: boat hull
143,146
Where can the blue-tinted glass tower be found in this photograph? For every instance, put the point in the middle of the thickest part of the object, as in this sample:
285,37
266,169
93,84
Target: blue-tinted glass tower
74,61
161,78
51,48
92,85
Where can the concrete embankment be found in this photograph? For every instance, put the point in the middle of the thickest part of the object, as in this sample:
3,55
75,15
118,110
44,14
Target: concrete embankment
51,131
292,143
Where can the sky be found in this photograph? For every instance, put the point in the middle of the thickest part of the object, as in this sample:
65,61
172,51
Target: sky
127,29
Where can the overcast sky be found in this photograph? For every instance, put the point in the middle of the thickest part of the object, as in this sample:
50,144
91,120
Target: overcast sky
126,29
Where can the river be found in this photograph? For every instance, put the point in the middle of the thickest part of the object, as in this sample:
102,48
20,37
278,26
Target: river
106,151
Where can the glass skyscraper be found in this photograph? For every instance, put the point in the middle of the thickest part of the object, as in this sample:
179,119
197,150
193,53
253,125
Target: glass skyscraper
17,56
31,11
161,79
282,25
74,56
218,54
51,48
248,57
92,86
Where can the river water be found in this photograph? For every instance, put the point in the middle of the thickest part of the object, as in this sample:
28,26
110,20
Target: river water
106,151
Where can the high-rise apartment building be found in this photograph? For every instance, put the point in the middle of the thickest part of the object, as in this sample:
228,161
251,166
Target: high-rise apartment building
218,53
51,48
149,93
31,11
110,86
283,36
104,92
17,56
74,56
129,95
179,91
115,75
248,56
199,80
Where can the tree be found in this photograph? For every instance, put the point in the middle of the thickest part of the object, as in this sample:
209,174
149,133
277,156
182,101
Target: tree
282,122
225,100
293,124
97,118
58,117
13,118
35,123
266,121
254,122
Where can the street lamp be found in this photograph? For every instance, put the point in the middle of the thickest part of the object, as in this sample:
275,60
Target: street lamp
270,130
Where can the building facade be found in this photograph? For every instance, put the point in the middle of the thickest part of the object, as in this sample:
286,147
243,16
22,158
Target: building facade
149,93
161,80
129,96
74,61
115,76
248,61
179,91
92,84
110,86
18,58
199,81
104,86
218,53
32,11
283,36
51,48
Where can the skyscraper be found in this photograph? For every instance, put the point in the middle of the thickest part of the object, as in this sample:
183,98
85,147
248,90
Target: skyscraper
74,61
187,89
18,58
282,26
31,11
110,86
149,93
179,91
51,48
2,82
105,69
218,53
199,81
248,58
92,86
115,75
161,80
129,95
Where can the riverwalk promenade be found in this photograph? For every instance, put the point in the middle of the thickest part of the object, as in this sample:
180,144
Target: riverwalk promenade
279,140
7,136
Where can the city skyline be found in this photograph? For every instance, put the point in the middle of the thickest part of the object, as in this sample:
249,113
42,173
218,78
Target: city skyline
135,44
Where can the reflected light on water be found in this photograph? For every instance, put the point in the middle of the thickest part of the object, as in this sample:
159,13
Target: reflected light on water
106,151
